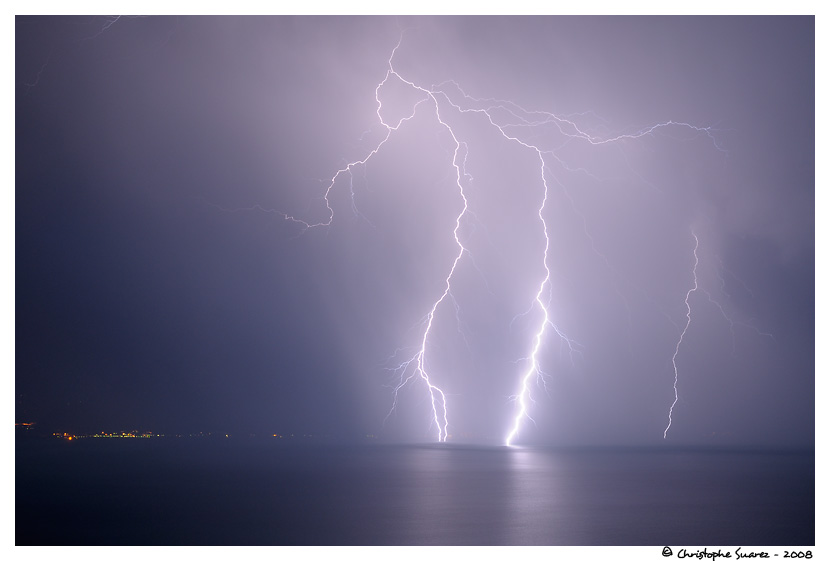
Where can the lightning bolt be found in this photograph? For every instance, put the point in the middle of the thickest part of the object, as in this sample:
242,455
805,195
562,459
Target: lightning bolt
732,323
515,125
683,333
533,369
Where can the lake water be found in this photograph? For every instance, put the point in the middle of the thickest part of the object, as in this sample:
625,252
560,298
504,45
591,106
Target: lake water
216,492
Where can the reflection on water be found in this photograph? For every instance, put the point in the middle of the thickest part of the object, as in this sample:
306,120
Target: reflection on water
453,496
532,496
409,495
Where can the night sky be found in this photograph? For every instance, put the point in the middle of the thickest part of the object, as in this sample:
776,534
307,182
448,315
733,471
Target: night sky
159,286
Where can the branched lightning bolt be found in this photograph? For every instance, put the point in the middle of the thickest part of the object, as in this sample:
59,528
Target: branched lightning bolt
516,125
416,365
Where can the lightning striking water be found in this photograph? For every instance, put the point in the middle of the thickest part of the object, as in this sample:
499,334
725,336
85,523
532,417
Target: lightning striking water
533,368
683,333
515,125
696,287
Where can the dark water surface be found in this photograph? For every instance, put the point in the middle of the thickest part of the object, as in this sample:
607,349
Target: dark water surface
214,492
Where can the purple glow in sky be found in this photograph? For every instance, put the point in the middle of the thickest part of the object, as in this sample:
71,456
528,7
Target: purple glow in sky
567,230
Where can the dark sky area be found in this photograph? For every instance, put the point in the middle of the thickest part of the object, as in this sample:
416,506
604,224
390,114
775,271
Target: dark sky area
159,286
